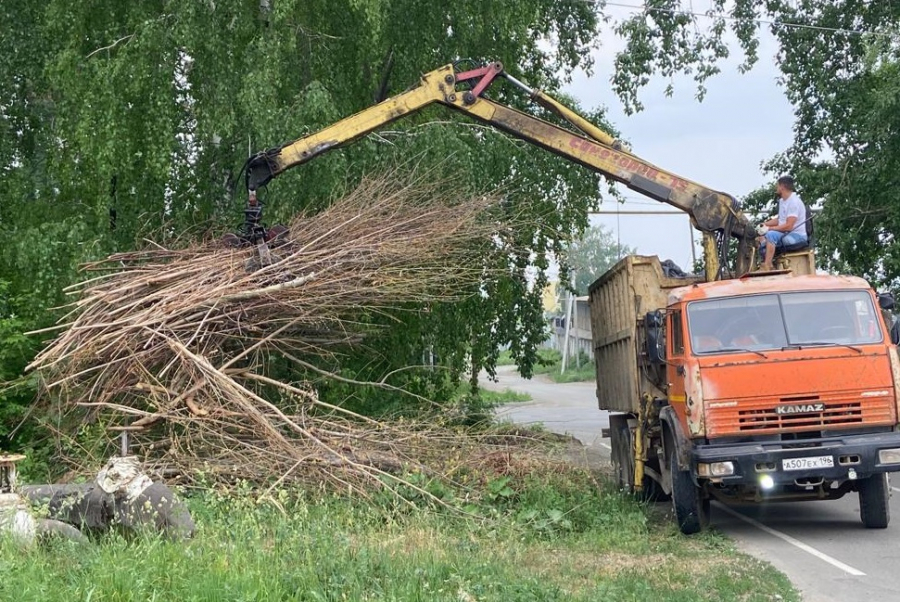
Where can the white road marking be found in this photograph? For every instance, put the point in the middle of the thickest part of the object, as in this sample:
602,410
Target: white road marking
604,445
894,488
794,542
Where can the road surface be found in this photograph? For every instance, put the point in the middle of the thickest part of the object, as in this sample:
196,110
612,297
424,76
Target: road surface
821,546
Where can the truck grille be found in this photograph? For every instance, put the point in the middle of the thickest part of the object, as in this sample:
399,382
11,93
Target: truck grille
760,415
832,415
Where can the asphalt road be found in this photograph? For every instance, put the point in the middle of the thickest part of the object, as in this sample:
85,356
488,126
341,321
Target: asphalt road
821,546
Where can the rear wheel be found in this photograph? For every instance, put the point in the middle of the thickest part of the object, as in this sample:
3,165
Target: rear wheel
622,456
622,443
690,505
874,508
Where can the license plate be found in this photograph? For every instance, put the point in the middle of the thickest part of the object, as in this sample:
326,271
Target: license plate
807,463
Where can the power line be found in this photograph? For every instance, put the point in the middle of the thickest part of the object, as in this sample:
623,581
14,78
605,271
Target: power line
636,213
724,17
630,200
639,200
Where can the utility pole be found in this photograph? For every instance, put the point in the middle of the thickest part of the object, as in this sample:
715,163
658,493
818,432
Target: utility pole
565,356
577,340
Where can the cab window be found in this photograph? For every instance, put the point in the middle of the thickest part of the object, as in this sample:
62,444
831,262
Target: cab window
675,327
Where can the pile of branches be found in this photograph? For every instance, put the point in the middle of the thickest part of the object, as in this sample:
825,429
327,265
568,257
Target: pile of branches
173,344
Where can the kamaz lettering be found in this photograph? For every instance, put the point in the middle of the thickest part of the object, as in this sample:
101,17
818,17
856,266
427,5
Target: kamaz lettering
803,408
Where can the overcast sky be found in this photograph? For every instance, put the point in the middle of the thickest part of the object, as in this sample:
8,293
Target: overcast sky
720,142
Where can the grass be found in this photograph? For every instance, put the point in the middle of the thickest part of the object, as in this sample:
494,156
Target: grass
551,362
536,531
505,358
505,396
476,409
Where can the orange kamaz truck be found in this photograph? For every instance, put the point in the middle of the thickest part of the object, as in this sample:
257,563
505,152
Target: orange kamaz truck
769,387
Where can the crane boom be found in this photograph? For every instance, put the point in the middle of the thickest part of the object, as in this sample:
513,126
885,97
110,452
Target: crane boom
716,214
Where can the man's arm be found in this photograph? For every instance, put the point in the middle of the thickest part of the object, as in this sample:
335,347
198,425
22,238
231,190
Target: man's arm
787,226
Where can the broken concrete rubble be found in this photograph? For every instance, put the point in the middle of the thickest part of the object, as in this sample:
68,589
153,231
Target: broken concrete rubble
122,496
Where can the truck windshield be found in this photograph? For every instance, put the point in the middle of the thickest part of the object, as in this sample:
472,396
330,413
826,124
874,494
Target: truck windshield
779,320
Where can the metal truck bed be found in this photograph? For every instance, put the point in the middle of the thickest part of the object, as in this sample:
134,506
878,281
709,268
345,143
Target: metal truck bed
619,300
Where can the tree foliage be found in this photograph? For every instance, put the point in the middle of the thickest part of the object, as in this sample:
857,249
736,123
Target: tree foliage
130,120
593,254
126,120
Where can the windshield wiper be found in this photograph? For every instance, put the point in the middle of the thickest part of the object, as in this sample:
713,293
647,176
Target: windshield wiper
759,353
822,343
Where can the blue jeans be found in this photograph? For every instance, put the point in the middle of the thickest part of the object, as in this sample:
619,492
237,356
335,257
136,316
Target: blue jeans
780,240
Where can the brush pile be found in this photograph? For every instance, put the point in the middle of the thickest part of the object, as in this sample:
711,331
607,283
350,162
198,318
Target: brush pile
173,344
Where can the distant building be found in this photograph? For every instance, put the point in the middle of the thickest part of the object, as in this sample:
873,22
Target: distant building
556,303
580,340
550,297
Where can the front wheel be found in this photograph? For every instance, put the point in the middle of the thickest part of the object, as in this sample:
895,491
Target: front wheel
690,505
874,500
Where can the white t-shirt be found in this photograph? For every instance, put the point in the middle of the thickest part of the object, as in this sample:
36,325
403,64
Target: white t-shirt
793,206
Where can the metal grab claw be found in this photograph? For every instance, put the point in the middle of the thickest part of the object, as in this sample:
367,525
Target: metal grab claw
254,232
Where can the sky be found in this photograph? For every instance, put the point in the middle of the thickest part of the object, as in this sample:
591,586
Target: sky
721,142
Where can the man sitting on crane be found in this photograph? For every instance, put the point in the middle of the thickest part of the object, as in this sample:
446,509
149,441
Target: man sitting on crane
789,228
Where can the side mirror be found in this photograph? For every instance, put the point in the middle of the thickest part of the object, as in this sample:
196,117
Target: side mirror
895,332
654,325
886,301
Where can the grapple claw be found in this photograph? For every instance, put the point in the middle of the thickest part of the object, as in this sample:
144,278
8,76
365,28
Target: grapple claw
276,233
232,240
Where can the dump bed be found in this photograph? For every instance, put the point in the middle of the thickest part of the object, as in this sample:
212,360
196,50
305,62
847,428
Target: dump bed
619,300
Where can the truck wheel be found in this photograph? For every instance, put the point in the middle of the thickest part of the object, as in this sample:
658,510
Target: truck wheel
874,508
690,506
623,465
622,456
653,491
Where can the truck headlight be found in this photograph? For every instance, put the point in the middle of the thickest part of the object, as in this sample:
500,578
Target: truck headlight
716,469
889,456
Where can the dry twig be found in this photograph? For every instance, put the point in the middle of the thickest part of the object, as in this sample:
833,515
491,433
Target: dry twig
172,343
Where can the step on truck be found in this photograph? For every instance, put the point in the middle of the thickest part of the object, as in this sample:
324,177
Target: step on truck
775,386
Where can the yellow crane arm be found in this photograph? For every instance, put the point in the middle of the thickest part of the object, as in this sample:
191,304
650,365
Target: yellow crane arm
716,214
438,86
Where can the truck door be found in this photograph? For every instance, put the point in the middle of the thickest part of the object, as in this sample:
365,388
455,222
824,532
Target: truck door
676,368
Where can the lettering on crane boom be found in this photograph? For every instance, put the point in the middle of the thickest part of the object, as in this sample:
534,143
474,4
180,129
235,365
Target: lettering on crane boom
801,408
625,162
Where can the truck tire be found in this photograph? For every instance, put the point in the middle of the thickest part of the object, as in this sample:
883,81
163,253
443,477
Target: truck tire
623,467
653,491
874,502
690,506
622,456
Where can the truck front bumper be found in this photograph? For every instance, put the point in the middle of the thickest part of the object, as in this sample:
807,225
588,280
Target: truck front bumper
835,458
